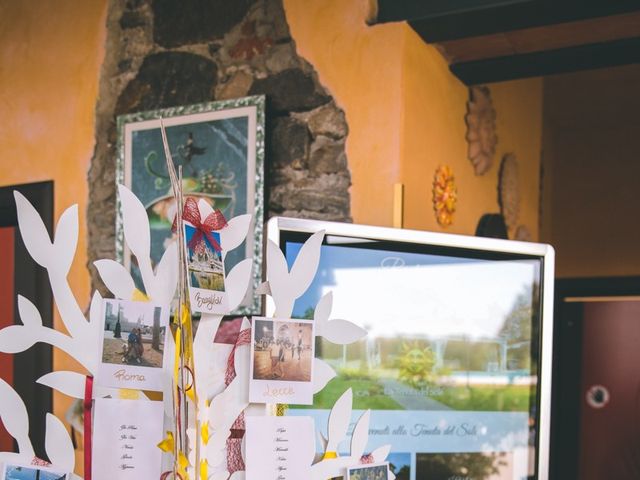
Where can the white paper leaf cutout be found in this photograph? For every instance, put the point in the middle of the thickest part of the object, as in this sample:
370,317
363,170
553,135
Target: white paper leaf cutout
341,332
380,454
69,383
306,264
360,435
135,223
15,419
58,445
116,278
237,283
34,233
323,311
339,421
66,239
15,339
263,289
235,232
166,276
29,314
322,374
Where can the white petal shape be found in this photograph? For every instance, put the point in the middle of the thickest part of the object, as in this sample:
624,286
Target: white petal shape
339,421
135,223
29,314
342,332
235,232
204,208
263,289
166,276
380,454
323,311
58,446
66,239
237,283
116,278
360,435
15,419
9,457
278,276
391,475
34,233
239,475
322,374
69,383
306,264
16,339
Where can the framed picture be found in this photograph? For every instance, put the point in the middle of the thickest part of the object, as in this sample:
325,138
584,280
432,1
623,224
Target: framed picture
220,146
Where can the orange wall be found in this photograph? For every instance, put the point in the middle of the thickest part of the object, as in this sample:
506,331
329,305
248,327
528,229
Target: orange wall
405,112
50,57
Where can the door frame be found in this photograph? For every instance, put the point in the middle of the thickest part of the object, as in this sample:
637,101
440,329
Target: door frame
31,281
567,358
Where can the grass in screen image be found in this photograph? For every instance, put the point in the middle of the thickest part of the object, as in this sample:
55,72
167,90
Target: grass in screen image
282,351
206,269
132,334
450,373
16,472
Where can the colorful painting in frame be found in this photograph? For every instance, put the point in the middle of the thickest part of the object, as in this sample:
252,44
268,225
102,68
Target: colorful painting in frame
220,146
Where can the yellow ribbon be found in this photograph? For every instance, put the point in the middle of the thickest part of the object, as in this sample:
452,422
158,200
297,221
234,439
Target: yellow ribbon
139,296
329,455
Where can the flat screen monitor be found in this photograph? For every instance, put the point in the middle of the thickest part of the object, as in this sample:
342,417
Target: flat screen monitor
456,366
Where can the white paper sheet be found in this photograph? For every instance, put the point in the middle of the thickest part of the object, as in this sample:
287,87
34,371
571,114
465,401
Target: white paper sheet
125,438
279,448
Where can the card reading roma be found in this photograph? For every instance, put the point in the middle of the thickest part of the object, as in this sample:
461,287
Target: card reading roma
205,270
281,367
132,345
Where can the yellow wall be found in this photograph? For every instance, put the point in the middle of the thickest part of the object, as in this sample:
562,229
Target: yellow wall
50,56
405,112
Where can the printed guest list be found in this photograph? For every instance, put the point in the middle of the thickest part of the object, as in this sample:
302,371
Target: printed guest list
279,448
125,438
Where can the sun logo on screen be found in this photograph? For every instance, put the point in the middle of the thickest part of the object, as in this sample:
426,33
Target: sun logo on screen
415,364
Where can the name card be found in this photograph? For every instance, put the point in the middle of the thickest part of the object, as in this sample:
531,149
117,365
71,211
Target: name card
125,439
279,448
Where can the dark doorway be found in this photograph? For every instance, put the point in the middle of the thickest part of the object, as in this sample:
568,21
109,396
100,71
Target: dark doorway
19,274
595,424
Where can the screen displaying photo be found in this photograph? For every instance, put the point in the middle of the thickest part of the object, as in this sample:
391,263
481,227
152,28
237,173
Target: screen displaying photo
450,361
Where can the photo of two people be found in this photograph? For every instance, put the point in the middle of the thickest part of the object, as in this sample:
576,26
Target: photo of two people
133,334
283,350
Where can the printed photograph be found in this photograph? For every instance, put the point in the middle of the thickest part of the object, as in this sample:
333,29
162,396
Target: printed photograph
133,334
19,472
282,350
204,258
476,465
369,472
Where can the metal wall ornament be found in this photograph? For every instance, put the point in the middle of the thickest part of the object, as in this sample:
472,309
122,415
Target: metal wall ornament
481,129
445,195
508,190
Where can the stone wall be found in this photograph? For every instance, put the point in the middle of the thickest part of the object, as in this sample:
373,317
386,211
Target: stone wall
165,53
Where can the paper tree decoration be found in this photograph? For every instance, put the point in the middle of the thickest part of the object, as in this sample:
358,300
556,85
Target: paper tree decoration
222,371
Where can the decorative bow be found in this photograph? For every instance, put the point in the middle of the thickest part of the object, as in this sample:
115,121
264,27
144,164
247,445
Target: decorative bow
214,221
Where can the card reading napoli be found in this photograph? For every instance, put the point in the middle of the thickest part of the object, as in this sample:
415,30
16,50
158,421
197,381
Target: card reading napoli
132,345
281,367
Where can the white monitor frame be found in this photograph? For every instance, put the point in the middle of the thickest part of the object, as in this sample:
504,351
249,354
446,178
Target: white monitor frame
546,252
